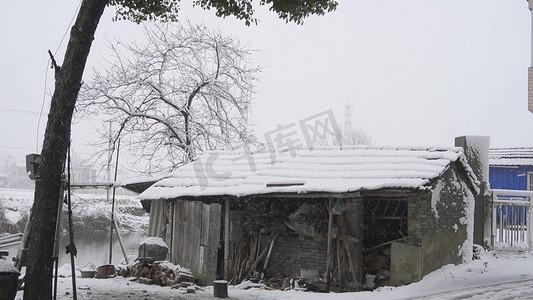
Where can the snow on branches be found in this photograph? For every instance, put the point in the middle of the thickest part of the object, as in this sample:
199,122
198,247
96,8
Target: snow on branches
184,90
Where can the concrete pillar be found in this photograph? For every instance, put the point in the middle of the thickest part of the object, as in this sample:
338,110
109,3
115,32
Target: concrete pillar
476,150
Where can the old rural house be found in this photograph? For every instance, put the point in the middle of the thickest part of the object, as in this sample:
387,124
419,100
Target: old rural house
355,212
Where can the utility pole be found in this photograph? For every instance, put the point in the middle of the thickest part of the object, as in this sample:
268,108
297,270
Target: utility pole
109,158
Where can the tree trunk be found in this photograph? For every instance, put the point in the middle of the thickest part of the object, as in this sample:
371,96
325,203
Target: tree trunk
56,140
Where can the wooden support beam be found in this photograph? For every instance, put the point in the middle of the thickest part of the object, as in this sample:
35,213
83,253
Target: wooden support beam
348,195
226,239
339,264
348,244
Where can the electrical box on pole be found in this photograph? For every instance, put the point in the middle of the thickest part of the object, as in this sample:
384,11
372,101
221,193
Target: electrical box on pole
33,161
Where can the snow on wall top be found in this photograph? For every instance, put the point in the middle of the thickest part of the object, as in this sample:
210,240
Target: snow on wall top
154,241
511,156
333,170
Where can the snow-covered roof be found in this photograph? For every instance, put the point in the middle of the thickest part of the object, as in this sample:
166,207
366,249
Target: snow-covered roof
331,170
511,156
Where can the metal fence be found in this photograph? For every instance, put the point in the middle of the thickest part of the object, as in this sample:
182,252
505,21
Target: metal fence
511,215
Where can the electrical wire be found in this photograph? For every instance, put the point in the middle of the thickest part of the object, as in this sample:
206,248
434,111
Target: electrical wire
18,111
46,76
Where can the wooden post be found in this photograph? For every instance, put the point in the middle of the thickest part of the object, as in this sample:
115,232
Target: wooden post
57,236
113,202
339,263
72,248
171,220
220,289
226,239
343,229
330,252
120,242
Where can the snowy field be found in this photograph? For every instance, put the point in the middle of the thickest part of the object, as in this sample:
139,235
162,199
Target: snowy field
90,211
497,275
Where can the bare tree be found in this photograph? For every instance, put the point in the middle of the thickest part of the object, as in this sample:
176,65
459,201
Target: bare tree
186,89
348,134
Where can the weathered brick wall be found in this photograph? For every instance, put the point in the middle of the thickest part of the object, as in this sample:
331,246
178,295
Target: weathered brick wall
290,254
417,217
444,212
438,228
438,222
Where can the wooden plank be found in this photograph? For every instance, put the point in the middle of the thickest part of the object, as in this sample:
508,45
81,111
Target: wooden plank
180,232
214,239
201,262
339,264
186,245
176,234
212,243
195,228
204,237
226,239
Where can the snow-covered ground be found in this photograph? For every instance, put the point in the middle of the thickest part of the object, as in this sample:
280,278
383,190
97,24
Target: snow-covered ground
497,275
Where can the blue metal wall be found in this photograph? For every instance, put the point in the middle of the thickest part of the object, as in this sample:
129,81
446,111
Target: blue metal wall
509,178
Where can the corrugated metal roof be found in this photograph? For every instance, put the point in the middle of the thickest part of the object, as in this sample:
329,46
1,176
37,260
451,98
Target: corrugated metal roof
511,156
333,170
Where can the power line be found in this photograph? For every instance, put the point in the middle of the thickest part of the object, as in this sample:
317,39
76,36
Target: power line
14,147
34,113
19,111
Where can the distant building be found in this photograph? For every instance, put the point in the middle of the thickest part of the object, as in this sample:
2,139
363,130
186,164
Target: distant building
3,180
511,168
83,175
17,177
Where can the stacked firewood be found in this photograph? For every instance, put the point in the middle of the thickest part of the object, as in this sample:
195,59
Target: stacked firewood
160,273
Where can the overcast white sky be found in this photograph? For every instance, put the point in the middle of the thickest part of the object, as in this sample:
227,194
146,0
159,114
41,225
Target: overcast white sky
416,72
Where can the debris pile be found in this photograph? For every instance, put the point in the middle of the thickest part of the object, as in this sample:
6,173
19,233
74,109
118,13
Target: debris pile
377,270
162,273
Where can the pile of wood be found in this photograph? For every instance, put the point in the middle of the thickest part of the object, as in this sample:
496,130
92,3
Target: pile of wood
160,273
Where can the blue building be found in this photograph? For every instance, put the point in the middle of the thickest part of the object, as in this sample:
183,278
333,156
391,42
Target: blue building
511,168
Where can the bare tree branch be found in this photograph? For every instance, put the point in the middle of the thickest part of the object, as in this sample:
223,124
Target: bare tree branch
185,90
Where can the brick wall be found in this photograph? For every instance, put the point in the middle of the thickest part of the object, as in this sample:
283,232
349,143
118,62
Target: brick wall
444,213
290,254
437,229
437,222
